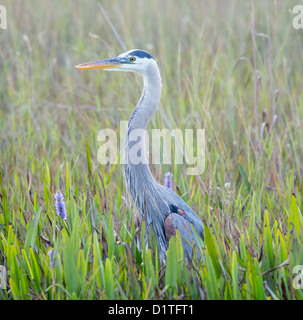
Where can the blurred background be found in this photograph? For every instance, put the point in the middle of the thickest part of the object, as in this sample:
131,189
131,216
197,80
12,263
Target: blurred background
240,81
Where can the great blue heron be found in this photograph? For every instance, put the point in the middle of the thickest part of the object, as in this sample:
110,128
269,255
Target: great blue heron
159,205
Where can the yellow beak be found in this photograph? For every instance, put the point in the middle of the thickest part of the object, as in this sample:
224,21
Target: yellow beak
101,64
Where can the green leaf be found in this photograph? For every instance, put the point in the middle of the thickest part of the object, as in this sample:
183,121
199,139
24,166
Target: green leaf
235,276
171,264
243,249
35,268
294,216
132,272
32,232
81,267
29,267
267,236
211,279
98,264
244,177
14,288
109,280
4,203
150,273
88,158
71,275
212,250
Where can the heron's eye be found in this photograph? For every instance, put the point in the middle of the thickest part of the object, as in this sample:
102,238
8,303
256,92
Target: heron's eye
132,59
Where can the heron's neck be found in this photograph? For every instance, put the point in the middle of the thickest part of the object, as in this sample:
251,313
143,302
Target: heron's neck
138,175
149,100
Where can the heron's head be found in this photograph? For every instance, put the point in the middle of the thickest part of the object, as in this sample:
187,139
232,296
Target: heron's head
133,60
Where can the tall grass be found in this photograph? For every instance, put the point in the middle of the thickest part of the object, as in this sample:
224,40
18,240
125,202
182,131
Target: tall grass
240,81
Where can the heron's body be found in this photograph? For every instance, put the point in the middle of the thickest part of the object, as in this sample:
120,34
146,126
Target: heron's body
160,206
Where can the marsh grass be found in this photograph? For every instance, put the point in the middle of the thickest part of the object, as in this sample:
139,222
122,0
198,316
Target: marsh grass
249,196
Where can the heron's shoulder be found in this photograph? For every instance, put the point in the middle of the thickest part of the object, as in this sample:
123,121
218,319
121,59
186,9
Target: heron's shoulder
178,206
175,202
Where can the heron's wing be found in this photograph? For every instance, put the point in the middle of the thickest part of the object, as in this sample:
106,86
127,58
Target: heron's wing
176,221
181,208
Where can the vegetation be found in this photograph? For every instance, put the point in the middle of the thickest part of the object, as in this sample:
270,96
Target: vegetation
232,67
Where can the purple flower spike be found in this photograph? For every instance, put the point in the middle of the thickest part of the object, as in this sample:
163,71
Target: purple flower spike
52,258
60,205
167,180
